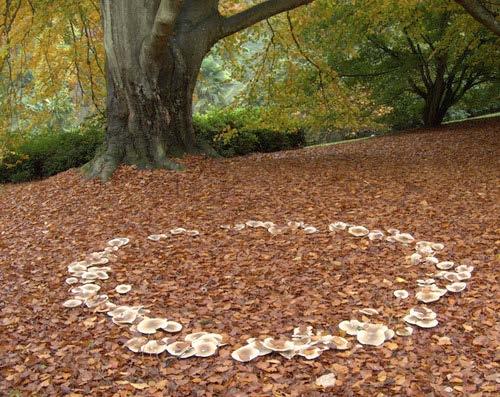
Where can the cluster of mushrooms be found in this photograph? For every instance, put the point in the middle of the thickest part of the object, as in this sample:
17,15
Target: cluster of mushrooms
304,342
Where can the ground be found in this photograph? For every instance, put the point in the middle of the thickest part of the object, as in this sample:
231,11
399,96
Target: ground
440,185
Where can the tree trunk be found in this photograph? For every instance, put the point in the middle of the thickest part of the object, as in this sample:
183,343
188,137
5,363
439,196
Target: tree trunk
150,83
434,112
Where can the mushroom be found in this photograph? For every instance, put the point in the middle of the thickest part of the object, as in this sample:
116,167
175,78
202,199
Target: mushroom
368,311
239,226
178,348
118,242
105,307
339,343
421,323
135,344
429,294
372,334
96,300
254,224
425,250
89,288
192,233
401,294
77,267
423,313
278,345
151,325
126,317
445,265
178,230
456,287
422,317
310,353
358,231
464,275
405,238
404,331
302,342
464,268
389,334
204,348
123,288
451,276
98,260
153,347
437,246
71,280
89,276
303,331
325,381
337,226
310,230
157,237
288,354
427,281
376,235
245,353
294,225
393,231
415,258
70,303
259,346
275,230
431,260
188,353
172,326
351,327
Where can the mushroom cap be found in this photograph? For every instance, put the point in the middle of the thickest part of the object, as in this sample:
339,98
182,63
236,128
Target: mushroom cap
415,258
239,226
456,287
405,238
389,334
105,307
118,242
437,246
429,294
195,335
178,230
339,343
157,237
404,331
288,354
393,231
96,300
78,267
421,323
116,311
192,233
260,347
89,288
278,345
464,268
372,336
252,223
337,226
135,344
432,260
178,348
327,380
369,311
401,293
123,288
452,276
90,276
151,325
351,327
70,303
310,230
310,352
153,347
126,317
464,275
376,235
303,331
245,353
101,275
188,353
302,342
204,348
71,280
445,265
172,326
427,281
358,231
423,313
425,250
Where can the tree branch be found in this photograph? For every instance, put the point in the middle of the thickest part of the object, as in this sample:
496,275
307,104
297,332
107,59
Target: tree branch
257,13
481,14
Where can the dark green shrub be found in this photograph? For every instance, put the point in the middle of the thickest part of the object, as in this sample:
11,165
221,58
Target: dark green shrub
49,153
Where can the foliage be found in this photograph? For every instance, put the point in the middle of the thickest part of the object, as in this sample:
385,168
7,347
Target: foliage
50,152
238,132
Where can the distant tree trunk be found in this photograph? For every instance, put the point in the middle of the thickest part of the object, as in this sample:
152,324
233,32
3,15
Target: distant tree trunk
154,50
485,12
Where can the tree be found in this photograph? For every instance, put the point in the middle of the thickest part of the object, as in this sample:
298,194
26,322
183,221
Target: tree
154,50
428,50
483,12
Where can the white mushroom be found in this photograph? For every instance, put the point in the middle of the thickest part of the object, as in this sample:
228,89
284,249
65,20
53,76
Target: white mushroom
153,347
404,238
302,331
310,353
464,275
401,294
429,294
445,265
339,343
437,246
157,237
456,287
178,348
196,335
151,325
70,303
376,235
415,258
278,345
172,326
372,334
135,344
254,224
464,268
123,288
178,230
337,226
351,327
245,353
404,331
368,311
71,280
310,230
358,231
205,349
118,242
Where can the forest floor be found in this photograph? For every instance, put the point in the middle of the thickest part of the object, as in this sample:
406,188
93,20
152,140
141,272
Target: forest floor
440,185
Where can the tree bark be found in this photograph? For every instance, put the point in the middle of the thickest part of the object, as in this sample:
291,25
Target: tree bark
154,50
485,16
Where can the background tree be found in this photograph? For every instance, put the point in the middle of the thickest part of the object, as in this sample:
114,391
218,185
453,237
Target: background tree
485,12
